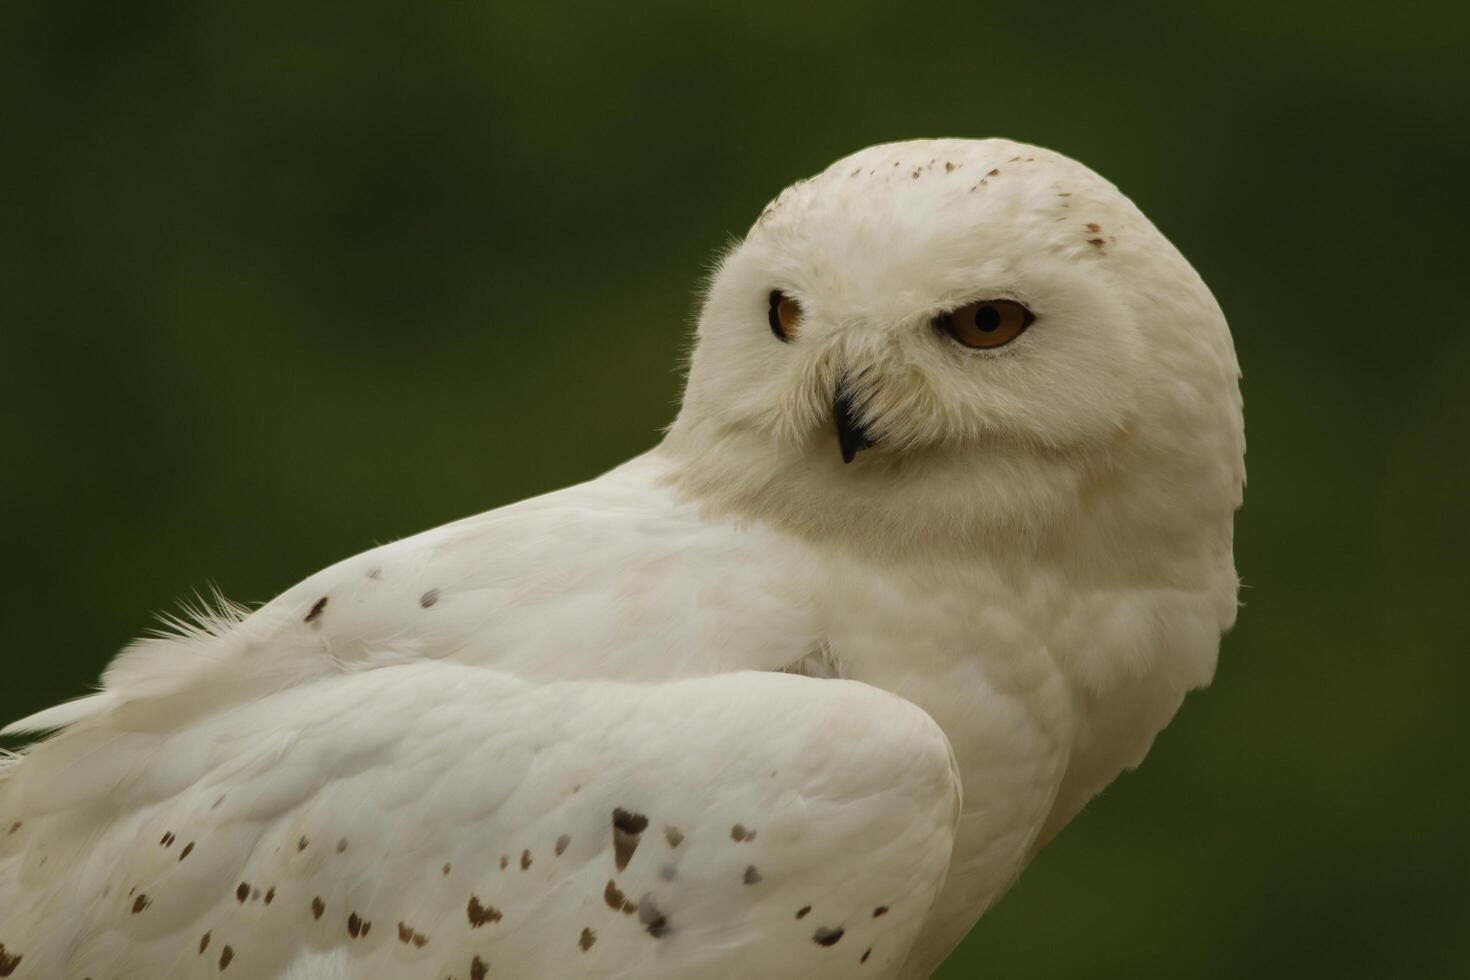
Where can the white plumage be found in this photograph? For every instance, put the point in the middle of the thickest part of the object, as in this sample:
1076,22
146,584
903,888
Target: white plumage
712,714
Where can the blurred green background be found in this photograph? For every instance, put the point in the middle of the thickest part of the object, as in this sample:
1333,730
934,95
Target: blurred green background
279,281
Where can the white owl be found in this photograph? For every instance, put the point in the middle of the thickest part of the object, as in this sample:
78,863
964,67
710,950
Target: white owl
938,542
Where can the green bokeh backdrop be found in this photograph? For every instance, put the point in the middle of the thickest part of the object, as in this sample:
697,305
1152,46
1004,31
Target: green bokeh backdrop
279,281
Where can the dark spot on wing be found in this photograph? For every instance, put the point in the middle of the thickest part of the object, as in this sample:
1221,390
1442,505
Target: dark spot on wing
673,836
15,826
478,969
589,936
1094,228
825,936
357,925
479,914
225,955
140,903
948,167
880,911
341,845
629,823
752,876
801,913
504,862
204,943
562,842
866,953
650,915
168,839
446,868
407,934
188,849
739,834
316,610
375,573
628,828
9,961
525,860
301,844
317,907
429,598
616,900
243,892
270,894
1096,241
995,172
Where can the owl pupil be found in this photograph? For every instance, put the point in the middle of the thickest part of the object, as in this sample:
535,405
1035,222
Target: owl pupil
987,318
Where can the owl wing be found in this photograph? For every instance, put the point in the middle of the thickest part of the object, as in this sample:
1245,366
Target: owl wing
442,820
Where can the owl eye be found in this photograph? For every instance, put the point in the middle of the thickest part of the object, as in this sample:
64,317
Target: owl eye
987,324
785,316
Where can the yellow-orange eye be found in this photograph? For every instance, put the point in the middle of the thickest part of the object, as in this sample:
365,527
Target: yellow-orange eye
785,316
987,324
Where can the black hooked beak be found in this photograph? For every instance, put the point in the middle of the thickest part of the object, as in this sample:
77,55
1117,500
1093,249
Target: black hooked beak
852,438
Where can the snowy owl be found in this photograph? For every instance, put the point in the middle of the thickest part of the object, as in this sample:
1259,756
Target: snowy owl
937,543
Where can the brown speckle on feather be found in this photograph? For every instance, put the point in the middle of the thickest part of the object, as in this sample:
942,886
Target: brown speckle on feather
317,609
479,914
825,936
628,828
616,900
656,923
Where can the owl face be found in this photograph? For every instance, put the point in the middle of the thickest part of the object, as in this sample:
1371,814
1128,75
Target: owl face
971,335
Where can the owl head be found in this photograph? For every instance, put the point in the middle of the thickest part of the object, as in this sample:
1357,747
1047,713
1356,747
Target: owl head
941,345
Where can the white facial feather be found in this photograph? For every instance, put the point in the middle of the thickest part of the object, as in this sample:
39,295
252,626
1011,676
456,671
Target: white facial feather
1124,387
